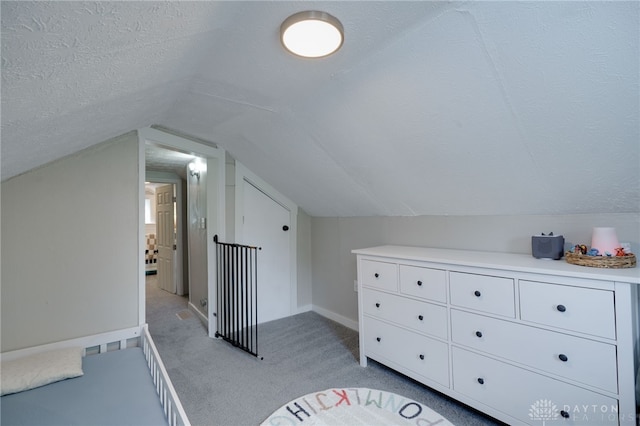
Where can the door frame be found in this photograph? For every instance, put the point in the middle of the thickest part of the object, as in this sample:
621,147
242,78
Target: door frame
242,175
215,208
165,177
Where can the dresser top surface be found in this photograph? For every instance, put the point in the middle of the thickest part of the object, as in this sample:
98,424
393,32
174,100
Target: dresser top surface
504,261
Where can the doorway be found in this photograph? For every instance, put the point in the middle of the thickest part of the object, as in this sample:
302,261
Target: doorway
166,250
172,155
167,238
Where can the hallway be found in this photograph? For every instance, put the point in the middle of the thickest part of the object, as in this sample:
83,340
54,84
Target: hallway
163,307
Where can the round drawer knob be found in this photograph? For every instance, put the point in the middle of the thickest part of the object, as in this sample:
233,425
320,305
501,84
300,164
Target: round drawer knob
378,338
377,275
377,305
477,293
561,308
479,333
421,356
481,380
563,357
419,283
420,317
564,414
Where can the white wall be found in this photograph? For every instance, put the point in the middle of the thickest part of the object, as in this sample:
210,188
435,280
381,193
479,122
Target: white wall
303,247
332,239
230,199
150,194
197,210
70,246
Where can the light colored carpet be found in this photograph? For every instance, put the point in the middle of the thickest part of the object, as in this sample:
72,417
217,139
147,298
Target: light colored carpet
353,407
222,385
184,314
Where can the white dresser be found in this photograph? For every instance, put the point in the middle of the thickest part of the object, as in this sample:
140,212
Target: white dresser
525,340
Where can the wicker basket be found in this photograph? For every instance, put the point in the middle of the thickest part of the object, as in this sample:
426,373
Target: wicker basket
626,261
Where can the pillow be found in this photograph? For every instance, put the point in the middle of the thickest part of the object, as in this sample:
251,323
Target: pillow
40,369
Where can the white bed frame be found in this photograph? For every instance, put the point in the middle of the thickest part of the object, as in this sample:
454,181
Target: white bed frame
118,340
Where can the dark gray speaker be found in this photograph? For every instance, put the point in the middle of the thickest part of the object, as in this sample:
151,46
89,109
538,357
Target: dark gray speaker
547,246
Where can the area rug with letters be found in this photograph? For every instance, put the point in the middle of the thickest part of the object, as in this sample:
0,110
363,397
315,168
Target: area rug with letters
354,406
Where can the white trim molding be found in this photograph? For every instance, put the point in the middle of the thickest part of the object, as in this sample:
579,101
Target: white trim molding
215,202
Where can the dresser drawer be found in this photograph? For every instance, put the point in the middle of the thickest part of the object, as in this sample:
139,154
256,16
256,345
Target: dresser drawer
575,358
420,316
426,283
483,292
584,310
383,275
419,354
529,397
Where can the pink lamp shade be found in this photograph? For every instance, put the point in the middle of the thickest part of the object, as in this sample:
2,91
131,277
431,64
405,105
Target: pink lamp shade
605,240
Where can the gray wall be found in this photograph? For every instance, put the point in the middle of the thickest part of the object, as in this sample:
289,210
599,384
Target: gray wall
70,247
197,262
303,246
332,239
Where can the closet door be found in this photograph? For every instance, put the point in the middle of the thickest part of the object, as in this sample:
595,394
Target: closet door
266,225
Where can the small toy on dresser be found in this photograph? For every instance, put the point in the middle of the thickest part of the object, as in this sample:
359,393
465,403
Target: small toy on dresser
582,256
582,249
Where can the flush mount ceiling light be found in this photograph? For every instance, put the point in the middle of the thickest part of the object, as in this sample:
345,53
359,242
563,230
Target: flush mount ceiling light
311,34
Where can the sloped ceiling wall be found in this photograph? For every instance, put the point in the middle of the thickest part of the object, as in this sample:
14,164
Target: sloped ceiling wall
429,108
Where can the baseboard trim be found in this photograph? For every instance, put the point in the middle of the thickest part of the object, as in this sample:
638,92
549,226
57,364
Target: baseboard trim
199,314
305,308
347,322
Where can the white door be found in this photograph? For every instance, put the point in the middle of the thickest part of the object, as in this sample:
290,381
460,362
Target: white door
166,237
266,225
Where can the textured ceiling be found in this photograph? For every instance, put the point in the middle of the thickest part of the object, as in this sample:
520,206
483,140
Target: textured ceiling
460,108
160,159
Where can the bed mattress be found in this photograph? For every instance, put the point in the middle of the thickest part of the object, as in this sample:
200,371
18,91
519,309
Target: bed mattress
116,389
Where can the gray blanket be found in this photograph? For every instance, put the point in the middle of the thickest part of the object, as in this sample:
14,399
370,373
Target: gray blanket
116,389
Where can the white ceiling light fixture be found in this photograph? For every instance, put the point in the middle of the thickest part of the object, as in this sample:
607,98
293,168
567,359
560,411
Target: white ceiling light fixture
195,167
311,34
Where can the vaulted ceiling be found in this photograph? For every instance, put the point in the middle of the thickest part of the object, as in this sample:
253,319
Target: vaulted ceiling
430,107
